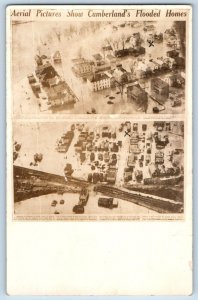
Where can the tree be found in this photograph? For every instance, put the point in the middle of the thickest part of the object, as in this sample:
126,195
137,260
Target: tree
120,82
123,41
180,28
79,52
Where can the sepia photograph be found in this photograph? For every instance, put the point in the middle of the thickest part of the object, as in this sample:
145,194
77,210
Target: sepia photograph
98,168
98,67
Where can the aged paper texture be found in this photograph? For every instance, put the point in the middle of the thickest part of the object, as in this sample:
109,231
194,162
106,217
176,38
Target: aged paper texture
99,126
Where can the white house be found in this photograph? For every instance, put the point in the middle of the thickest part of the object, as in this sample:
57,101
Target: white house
99,81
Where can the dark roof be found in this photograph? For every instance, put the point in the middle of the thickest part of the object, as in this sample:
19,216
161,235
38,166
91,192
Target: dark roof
57,54
60,87
106,48
136,89
97,56
98,77
46,69
159,82
110,56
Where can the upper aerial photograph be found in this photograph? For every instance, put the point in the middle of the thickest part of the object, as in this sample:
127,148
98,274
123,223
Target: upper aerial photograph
96,67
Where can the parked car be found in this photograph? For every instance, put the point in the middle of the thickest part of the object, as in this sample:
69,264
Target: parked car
54,202
78,209
107,203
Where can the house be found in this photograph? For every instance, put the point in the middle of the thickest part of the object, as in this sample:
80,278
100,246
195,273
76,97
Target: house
143,69
114,148
83,68
179,62
153,66
31,78
78,146
134,139
107,48
176,80
111,175
98,59
100,64
159,157
50,82
158,37
38,60
172,53
170,62
59,94
133,40
159,89
134,149
57,57
162,63
137,96
128,174
36,88
99,81
44,72
82,157
110,58
131,161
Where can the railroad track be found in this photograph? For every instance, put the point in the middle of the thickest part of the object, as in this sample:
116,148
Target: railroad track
156,204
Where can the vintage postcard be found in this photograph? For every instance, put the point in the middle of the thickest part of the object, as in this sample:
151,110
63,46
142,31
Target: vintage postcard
99,128
138,69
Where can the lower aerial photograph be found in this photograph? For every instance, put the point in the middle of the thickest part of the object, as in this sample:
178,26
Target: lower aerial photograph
98,169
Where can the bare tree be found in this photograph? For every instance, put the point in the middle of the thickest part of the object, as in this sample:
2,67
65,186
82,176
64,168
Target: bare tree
79,53
120,83
123,41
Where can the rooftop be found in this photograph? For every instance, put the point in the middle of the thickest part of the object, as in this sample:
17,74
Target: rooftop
98,77
97,56
159,82
136,89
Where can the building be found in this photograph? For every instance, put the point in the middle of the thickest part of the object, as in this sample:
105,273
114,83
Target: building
44,72
110,59
137,96
159,89
99,81
134,139
111,175
159,157
176,80
153,66
31,79
36,88
57,57
83,68
128,174
65,141
98,59
131,161
59,94
179,62
134,149
172,53
50,82
142,70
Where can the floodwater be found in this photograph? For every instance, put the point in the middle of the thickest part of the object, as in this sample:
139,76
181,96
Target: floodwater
42,205
29,39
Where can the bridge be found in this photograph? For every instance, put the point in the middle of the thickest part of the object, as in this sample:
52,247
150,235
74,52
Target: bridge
29,183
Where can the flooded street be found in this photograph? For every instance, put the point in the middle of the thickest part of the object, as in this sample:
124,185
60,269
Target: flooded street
54,37
42,205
